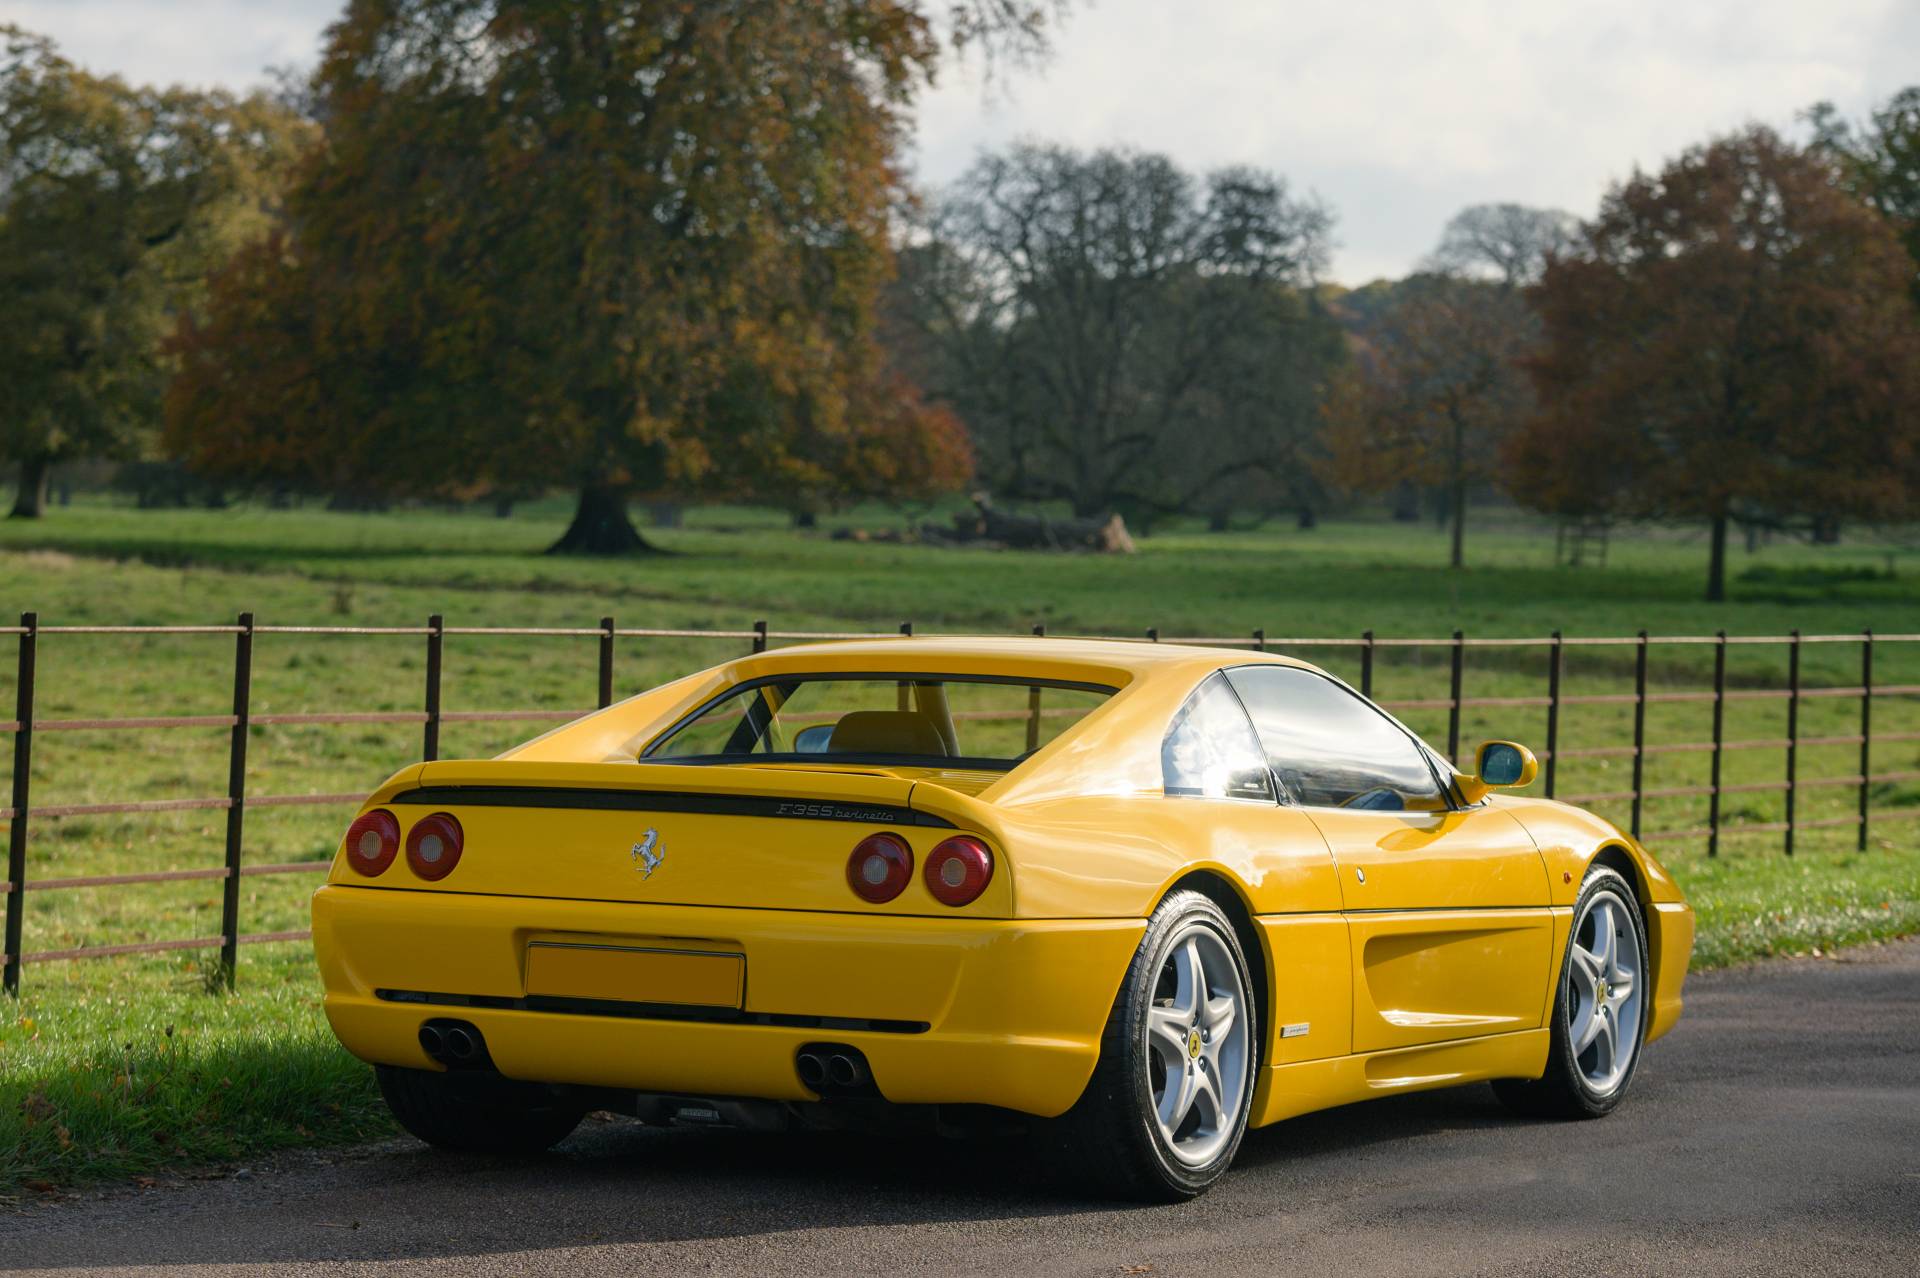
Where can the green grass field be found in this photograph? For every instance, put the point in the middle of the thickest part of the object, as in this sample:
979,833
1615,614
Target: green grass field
91,1082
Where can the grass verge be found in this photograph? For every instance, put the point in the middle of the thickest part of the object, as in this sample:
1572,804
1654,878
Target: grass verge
1764,905
123,1071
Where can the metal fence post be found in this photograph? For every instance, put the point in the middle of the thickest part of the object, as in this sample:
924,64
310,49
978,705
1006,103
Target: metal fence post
759,636
1866,733
236,798
1556,657
1260,640
1793,730
1453,713
1366,663
904,698
1033,717
436,641
606,662
22,780
1639,731
1719,742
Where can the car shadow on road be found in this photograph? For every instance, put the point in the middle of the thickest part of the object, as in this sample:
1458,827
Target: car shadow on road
619,1183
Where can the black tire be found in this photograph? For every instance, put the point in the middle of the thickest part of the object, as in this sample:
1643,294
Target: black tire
1565,1091
477,1113
1111,1141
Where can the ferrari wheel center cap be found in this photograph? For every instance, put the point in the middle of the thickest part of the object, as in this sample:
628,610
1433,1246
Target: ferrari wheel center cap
1193,1044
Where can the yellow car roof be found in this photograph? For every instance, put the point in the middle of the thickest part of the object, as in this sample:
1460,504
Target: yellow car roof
1120,741
1113,661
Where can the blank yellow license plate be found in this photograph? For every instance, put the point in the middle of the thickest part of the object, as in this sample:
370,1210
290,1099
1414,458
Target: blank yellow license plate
633,975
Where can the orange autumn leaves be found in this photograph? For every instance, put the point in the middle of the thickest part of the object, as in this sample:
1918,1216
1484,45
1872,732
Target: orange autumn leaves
631,244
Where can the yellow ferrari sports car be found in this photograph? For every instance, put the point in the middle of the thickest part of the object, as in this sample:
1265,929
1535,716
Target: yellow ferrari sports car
1138,897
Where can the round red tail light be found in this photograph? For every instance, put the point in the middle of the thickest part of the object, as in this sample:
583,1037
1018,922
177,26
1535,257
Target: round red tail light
880,868
372,841
958,870
434,844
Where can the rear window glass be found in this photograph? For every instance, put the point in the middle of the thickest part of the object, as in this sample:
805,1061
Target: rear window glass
939,721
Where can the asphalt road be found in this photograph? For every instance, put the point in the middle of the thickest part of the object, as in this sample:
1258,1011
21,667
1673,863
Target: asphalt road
1777,1131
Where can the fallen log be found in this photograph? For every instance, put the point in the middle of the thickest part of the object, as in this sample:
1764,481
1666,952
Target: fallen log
985,523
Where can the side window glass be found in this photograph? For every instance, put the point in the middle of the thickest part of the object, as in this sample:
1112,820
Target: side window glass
1331,749
1210,750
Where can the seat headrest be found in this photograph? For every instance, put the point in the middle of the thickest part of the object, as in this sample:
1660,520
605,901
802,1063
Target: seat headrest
886,732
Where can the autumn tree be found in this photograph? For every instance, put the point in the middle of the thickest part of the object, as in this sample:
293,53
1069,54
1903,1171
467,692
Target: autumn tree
1508,243
1433,393
1879,161
114,203
1731,338
1252,428
612,245
1119,334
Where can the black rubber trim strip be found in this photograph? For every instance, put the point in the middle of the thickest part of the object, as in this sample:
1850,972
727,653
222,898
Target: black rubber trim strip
651,753
745,805
653,1011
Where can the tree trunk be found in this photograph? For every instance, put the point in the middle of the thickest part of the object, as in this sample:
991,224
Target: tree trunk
1717,561
31,503
600,526
1406,503
1458,486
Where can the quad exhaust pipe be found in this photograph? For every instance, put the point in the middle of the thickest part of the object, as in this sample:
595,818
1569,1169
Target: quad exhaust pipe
834,1069
462,1044
845,1071
455,1044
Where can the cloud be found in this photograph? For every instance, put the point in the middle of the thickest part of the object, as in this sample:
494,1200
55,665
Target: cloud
1401,112
197,42
1397,112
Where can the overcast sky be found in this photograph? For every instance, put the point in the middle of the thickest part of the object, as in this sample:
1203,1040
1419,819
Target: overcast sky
1396,112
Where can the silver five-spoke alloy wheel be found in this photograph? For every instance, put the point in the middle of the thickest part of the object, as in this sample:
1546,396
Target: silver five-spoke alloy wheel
1604,992
1197,1045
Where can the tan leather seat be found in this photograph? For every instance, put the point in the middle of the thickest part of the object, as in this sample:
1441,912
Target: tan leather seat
886,732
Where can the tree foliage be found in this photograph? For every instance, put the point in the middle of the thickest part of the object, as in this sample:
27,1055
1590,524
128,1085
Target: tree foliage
115,202
1118,334
1879,161
614,245
1731,338
1434,391
1509,243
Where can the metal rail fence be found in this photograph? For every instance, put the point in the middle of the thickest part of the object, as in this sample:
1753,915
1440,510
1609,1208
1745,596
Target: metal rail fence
236,802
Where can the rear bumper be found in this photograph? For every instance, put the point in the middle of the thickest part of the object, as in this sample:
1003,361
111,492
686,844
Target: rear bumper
971,1011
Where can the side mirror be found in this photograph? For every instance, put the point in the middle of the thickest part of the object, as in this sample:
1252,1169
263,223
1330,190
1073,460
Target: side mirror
1499,765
